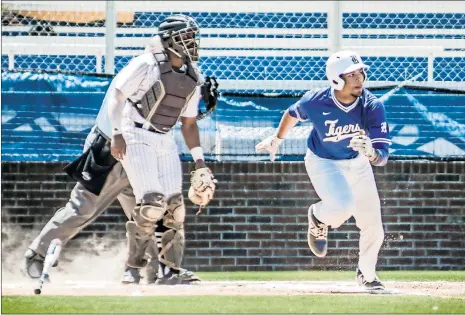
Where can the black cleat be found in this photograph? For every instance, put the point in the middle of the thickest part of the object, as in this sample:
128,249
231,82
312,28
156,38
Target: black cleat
374,285
317,235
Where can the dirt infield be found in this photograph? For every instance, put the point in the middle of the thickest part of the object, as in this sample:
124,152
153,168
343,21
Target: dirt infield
283,288
88,272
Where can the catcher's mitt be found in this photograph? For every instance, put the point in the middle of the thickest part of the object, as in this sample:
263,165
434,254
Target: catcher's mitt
203,185
209,91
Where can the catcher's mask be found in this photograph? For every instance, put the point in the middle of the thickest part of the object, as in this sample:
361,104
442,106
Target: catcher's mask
181,35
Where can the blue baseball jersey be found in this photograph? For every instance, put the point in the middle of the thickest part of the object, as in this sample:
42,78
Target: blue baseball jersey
334,123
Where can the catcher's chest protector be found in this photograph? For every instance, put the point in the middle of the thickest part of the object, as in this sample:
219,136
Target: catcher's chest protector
163,103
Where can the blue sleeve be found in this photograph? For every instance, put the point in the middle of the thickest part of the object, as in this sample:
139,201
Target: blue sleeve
300,109
378,128
378,131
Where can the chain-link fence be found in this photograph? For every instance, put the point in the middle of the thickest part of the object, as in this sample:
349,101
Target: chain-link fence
253,47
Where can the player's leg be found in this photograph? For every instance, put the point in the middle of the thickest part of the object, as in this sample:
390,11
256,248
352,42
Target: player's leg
82,209
127,201
337,204
171,232
172,241
141,167
171,235
368,219
153,249
132,275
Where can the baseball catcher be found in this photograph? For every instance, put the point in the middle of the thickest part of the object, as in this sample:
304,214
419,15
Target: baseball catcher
152,93
101,178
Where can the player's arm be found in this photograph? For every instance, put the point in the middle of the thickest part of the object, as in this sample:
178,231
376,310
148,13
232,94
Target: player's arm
287,123
203,182
116,101
190,130
125,84
295,113
376,144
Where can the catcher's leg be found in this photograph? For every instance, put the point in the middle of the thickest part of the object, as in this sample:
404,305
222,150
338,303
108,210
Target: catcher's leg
152,253
171,245
142,227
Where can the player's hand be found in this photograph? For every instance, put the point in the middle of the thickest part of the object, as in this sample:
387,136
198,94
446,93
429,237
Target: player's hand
271,145
118,147
362,144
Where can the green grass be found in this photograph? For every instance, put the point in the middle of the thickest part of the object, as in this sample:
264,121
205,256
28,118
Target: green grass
232,304
255,304
332,275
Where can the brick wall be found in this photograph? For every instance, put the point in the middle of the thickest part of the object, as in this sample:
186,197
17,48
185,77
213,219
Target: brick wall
258,220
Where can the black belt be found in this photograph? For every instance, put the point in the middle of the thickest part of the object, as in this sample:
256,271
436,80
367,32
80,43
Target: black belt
150,128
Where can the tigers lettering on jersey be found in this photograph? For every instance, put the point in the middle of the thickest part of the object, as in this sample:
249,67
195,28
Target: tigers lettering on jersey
334,124
338,133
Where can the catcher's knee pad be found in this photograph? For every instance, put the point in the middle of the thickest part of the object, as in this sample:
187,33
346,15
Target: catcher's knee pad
175,212
151,209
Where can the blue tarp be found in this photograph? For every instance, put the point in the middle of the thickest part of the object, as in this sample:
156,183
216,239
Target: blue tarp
46,117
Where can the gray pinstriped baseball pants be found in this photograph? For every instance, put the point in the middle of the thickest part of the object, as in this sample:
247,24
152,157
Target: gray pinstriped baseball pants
84,207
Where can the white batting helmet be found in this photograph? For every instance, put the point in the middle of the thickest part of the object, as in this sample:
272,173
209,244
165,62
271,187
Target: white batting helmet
341,63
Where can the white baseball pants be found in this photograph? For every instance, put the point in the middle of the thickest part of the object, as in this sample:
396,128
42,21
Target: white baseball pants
347,188
151,161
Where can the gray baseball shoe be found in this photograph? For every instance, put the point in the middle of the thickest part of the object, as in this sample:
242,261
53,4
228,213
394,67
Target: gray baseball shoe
177,276
34,264
131,276
373,285
317,235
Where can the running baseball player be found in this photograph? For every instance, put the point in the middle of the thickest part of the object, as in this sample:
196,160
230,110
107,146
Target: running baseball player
156,90
96,189
349,133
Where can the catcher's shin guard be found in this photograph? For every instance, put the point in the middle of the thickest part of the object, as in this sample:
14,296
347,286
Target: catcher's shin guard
153,250
137,243
172,229
172,248
141,230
